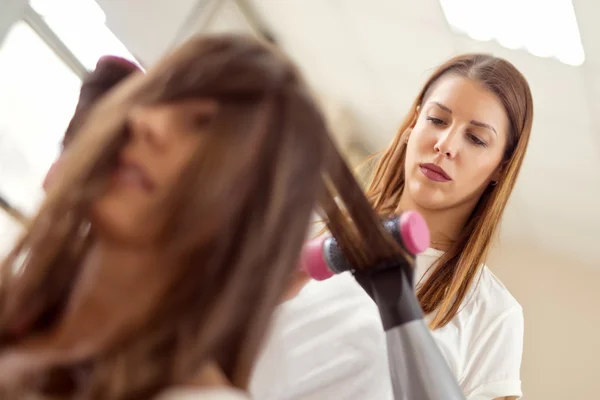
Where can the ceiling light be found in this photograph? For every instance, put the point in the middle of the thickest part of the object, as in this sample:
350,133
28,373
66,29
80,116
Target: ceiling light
544,28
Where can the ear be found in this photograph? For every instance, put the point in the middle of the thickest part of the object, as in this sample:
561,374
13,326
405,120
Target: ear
50,176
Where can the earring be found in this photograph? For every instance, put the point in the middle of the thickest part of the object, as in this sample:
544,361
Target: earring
493,183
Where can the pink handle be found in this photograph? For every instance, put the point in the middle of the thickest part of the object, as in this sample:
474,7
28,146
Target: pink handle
414,232
411,227
313,262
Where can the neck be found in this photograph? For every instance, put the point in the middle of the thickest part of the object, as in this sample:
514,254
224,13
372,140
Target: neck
115,292
122,276
444,225
129,261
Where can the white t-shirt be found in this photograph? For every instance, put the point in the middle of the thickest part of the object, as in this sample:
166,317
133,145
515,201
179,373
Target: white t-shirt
328,342
203,394
483,344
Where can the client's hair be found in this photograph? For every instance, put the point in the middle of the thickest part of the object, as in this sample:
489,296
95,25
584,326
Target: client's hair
109,71
238,219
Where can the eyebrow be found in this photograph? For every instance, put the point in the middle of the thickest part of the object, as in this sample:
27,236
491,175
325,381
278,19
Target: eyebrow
473,122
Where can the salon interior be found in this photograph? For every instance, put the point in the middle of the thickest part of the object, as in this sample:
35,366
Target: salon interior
365,61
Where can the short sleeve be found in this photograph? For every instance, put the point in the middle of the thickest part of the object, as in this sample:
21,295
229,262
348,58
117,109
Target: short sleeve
494,365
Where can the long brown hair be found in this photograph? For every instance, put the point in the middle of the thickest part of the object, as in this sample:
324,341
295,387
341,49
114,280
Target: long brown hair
239,216
455,271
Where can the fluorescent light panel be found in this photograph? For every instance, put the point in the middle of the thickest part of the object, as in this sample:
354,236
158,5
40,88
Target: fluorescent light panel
544,28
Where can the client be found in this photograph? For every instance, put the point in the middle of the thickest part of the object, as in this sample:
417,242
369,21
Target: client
170,232
305,325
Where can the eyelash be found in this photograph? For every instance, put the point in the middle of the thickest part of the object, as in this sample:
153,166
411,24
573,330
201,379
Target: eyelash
435,121
474,139
477,141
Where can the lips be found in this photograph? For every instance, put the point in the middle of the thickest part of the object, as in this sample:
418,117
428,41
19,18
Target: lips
434,173
132,175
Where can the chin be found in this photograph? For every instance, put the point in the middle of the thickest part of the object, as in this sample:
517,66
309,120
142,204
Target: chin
117,225
430,203
427,197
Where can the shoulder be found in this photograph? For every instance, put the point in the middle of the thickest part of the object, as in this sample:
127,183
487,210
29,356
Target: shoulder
490,322
490,296
488,307
497,323
495,328
204,394
491,312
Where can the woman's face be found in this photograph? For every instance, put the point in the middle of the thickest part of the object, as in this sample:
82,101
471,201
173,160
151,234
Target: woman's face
162,141
456,147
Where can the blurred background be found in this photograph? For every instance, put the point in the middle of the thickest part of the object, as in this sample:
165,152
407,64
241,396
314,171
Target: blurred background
366,61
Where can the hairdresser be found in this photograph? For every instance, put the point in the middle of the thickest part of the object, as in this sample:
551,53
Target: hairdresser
455,160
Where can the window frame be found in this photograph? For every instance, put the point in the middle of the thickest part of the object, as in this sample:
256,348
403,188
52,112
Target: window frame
20,10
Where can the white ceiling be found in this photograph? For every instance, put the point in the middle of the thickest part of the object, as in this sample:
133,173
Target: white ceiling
373,56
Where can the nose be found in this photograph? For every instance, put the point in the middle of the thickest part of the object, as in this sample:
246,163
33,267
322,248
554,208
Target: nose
149,124
446,144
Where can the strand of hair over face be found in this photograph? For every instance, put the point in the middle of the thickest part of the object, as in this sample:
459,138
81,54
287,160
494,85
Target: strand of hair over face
239,217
